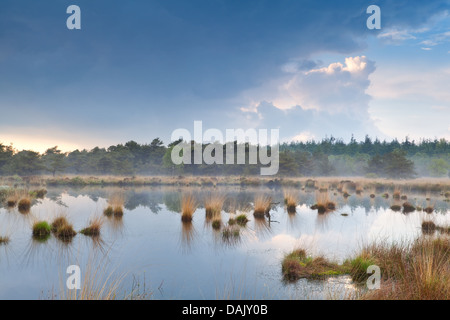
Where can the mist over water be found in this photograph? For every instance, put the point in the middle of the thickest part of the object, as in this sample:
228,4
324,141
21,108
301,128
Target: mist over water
151,245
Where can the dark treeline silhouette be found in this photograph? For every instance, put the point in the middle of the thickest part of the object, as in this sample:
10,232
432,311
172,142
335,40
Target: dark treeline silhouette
328,157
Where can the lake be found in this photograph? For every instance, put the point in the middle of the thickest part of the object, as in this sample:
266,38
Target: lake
152,251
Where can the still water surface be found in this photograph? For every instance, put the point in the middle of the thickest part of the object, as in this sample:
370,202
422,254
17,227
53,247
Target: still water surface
151,246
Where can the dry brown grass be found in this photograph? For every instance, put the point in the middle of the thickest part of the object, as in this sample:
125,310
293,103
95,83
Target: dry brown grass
419,271
262,205
24,205
290,199
188,207
62,229
94,227
323,203
213,205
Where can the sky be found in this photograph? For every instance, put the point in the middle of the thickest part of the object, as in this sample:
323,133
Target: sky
137,70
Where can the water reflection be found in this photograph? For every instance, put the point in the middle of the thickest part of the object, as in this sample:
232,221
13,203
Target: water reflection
152,221
188,234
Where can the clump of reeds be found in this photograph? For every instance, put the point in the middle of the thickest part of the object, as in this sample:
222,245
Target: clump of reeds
41,230
417,271
408,207
93,228
397,193
290,201
231,234
115,206
429,209
38,193
323,203
428,227
216,223
359,189
396,207
213,205
242,219
385,195
24,205
62,229
262,205
11,201
4,240
359,265
188,207
298,264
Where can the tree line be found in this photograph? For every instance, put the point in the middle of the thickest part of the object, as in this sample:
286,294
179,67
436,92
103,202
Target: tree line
328,157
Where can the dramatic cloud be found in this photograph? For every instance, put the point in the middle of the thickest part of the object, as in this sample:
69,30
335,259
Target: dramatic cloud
140,69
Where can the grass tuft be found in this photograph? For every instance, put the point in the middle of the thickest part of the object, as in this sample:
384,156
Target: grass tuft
262,205
242,219
24,205
41,230
94,227
298,264
188,207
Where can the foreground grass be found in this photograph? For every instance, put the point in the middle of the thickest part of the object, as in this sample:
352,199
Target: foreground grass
410,271
418,271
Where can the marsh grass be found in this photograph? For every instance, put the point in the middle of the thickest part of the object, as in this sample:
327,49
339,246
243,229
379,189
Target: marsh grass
216,223
115,205
188,207
262,205
396,207
428,227
97,282
231,235
429,209
397,194
41,230
62,229
410,271
24,205
290,200
408,207
298,264
94,227
213,205
242,219
4,240
323,203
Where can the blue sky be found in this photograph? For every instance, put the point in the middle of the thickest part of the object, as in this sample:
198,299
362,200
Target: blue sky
140,69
